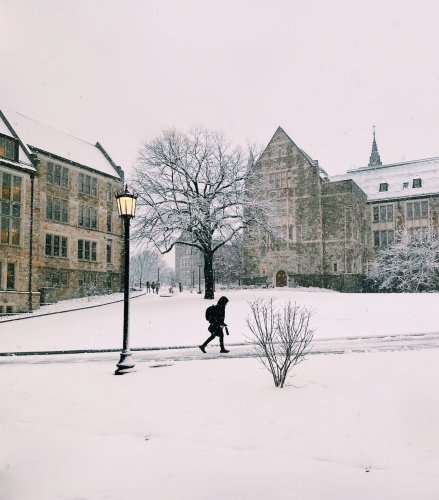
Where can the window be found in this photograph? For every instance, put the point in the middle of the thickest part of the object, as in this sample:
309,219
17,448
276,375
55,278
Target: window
87,250
280,180
384,186
8,148
417,183
10,276
56,246
334,267
57,277
109,222
109,251
382,213
109,193
88,217
405,185
87,278
383,238
57,175
57,210
109,282
417,209
88,185
10,209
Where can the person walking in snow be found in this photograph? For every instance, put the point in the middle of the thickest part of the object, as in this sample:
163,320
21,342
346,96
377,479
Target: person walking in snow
148,287
153,287
157,286
215,314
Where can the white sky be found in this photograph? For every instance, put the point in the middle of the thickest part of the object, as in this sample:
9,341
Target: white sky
326,71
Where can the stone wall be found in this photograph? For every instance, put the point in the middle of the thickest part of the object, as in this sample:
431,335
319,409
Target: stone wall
67,273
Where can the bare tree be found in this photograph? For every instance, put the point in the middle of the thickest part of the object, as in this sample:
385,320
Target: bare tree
192,189
144,265
229,261
281,335
411,264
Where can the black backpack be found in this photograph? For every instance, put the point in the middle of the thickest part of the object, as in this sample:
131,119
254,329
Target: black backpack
210,313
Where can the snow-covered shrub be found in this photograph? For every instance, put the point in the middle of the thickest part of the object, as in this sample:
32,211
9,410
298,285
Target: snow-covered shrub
281,335
411,264
90,289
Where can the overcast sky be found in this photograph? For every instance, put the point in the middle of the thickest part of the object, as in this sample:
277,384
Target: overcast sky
326,71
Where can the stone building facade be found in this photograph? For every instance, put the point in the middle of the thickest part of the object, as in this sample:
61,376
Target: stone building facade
70,234
330,228
189,266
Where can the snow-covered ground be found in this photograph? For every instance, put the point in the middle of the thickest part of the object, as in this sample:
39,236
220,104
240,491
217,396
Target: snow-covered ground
351,426
179,320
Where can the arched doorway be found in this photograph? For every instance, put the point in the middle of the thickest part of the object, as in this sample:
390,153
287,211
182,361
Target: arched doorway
281,278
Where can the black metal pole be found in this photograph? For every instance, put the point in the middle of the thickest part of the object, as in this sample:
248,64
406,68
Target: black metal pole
158,274
199,279
125,362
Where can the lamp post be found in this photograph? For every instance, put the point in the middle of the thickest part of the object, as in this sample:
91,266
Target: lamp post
199,278
126,204
158,274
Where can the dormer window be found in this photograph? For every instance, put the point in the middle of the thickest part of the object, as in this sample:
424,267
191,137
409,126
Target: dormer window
417,183
384,186
8,148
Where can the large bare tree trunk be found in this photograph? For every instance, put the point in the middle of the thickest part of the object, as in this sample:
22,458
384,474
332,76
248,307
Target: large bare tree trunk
208,276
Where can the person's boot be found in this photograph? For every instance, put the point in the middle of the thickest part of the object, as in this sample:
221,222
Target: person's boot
202,348
223,349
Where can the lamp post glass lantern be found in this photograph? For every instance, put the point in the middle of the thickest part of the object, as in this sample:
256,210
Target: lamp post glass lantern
126,205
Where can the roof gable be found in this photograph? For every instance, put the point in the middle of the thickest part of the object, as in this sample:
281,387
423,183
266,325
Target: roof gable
24,154
49,140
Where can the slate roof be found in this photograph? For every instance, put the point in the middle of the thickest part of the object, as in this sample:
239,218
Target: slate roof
47,139
395,175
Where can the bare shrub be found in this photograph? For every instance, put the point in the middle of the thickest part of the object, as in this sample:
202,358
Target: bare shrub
281,335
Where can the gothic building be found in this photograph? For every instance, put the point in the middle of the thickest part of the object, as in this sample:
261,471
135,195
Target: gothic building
326,230
59,226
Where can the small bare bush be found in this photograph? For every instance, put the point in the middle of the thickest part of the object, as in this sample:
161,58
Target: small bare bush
281,335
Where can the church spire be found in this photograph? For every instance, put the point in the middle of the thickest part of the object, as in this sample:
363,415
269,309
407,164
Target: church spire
374,159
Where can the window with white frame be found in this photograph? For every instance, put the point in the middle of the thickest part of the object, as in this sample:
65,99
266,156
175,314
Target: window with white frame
88,217
109,222
417,209
57,175
382,213
56,246
56,277
87,250
383,238
109,251
10,275
8,148
88,185
57,210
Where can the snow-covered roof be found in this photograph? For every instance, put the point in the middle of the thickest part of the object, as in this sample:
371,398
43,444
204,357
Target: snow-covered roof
398,177
23,159
50,140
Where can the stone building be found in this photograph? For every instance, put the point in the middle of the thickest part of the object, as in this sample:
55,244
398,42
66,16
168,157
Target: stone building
189,266
326,230
60,229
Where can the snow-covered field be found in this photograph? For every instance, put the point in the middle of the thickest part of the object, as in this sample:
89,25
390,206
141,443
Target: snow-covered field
351,426
179,320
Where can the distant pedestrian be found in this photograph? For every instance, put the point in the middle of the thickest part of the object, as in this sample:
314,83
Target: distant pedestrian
153,287
157,286
148,287
215,314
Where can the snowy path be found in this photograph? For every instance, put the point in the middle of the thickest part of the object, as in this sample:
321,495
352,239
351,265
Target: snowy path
158,357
